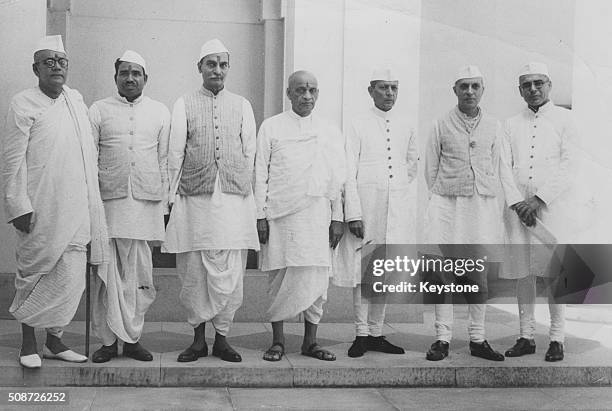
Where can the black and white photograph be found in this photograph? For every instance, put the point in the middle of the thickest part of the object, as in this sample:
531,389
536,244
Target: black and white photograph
306,204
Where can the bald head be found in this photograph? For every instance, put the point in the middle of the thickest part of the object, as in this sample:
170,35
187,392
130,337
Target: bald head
302,76
303,91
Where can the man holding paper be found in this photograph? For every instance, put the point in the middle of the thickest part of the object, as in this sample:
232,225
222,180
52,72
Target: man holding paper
536,168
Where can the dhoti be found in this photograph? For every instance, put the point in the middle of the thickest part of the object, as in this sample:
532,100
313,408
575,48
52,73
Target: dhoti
54,299
298,259
211,286
123,291
296,290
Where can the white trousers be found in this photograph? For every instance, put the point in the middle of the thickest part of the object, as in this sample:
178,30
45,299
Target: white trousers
444,322
526,295
212,282
369,318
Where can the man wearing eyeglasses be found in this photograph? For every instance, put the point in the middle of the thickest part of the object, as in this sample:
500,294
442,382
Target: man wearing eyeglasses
52,198
379,202
537,166
131,133
299,171
212,222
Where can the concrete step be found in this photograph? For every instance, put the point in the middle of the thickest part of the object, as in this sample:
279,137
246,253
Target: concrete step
588,360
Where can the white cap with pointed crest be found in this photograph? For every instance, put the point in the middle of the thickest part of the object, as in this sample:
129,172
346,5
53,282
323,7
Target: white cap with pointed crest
534,68
53,43
381,74
213,46
468,72
133,57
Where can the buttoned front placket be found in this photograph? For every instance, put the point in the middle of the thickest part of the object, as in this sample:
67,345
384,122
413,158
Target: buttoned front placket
533,128
387,126
216,130
131,132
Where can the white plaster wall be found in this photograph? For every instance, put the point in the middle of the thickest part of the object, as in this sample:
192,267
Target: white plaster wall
381,33
315,43
169,36
592,107
499,36
22,24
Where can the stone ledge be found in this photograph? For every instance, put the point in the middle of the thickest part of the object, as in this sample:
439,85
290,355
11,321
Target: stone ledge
220,375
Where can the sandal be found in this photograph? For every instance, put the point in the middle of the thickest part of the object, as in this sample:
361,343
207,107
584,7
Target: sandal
274,355
316,351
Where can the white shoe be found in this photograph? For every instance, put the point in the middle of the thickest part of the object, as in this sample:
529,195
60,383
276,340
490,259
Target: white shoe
68,355
30,361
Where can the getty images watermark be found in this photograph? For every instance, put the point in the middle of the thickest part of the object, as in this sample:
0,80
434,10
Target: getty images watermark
411,266
477,273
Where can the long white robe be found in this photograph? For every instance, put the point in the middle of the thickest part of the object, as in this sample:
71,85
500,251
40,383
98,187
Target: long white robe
539,158
49,169
380,189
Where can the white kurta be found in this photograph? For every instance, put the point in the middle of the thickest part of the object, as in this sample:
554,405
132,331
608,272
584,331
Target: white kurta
380,190
539,158
299,167
217,221
147,123
474,219
48,168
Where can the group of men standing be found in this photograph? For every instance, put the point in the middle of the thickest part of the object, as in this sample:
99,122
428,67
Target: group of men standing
107,176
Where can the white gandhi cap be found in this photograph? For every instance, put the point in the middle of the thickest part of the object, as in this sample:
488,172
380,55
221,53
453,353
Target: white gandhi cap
468,72
213,46
131,56
381,74
534,68
53,43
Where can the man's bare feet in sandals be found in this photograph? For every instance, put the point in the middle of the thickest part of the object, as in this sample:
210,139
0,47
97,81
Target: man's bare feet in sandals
314,350
274,353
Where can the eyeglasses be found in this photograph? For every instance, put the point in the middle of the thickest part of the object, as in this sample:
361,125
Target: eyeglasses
538,84
51,63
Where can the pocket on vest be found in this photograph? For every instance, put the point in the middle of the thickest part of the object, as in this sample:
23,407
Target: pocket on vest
146,185
236,177
113,176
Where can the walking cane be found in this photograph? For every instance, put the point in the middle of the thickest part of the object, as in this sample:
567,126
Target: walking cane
87,306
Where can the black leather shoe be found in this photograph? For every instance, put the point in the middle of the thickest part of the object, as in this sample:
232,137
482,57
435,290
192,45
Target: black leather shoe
226,354
484,350
105,353
554,352
438,351
523,346
190,354
380,344
358,348
137,352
